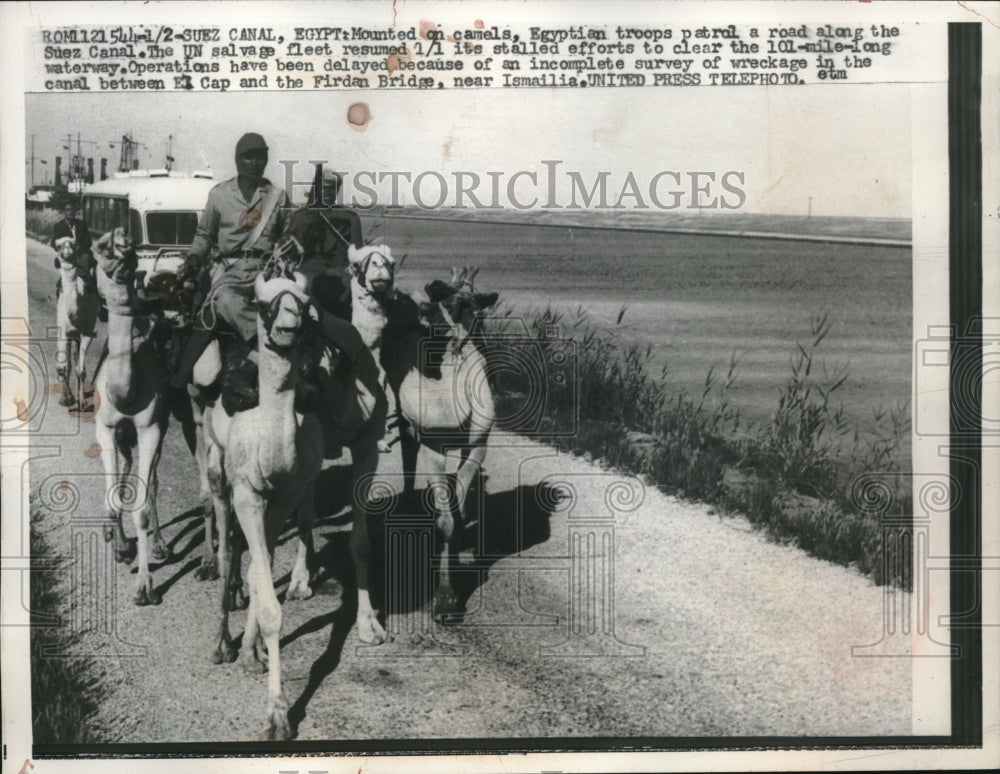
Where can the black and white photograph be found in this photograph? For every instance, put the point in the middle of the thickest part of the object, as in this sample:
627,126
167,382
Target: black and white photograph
499,386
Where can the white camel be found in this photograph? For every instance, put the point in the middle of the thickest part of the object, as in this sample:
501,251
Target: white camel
352,415
76,318
272,457
131,387
443,398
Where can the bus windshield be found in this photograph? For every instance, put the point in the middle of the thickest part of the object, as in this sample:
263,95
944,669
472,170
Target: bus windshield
171,228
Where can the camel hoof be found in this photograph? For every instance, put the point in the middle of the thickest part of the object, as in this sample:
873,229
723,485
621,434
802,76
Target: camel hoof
251,664
299,589
237,599
225,653
445,604
125,555
384,448
207,570
159,553
145,597
370,631
278,729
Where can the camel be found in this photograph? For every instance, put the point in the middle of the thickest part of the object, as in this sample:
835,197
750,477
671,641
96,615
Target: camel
443,399
76,318
353,415
131,384
273,454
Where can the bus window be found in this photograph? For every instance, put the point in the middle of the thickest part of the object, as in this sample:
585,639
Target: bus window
120,213
135,227
171,228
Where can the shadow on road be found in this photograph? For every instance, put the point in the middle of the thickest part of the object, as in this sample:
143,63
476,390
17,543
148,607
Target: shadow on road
177,554
511,522
336,570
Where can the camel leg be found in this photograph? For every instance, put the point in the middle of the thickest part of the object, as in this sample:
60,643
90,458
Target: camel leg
298,587
468,491
469,476
148,447
251,657
224,651
250,653
364,460
211,562
81,372
219,489
63,366
125,552
258,528
445,599
409,448
110,458
117,469
237,598
159,550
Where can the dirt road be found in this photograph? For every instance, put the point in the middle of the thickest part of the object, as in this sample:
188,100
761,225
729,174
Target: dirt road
598,607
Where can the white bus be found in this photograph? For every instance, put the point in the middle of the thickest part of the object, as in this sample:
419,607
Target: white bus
159,209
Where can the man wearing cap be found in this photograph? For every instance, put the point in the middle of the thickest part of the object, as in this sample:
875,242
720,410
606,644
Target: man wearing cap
326,270
243,219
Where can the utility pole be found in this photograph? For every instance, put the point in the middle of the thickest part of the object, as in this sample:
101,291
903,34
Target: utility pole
77,171
810,214
129,152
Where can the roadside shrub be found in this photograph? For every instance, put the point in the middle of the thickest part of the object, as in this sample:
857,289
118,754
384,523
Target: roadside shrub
790,475
39,223
803,439
65,692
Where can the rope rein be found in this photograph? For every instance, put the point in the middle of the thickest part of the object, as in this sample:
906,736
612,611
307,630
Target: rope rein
281,261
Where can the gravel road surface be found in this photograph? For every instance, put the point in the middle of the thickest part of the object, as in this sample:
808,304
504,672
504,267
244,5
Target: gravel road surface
598,607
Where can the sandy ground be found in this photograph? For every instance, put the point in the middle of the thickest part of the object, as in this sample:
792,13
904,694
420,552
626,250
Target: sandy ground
598,607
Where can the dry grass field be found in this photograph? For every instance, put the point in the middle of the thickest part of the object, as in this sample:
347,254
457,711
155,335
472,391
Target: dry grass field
697,300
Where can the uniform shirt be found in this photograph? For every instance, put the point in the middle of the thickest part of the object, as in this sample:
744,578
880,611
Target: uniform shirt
229,218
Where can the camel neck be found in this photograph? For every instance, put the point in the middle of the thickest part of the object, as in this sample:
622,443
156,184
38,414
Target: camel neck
120,333
275,378
367,315
67,280
120,363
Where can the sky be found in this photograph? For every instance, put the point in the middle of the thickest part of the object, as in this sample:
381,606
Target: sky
845,147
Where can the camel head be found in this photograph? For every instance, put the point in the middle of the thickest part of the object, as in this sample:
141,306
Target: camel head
67,257
116,256
451,306
373,268
282,306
